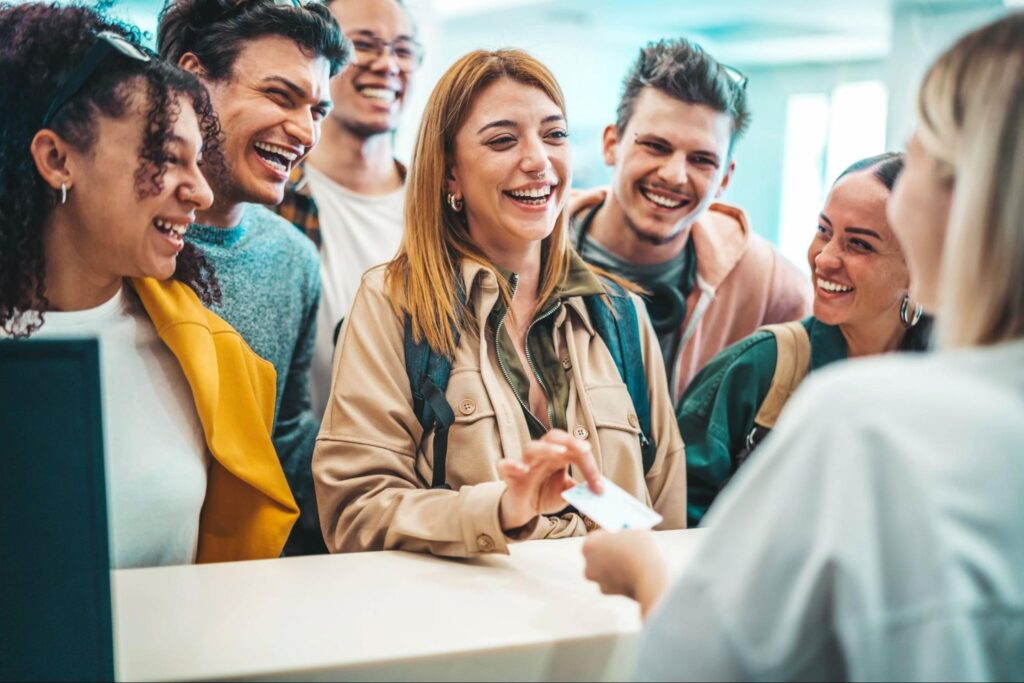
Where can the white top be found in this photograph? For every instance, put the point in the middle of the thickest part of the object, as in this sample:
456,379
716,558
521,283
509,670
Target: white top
877,534
156,458
381,616
357,232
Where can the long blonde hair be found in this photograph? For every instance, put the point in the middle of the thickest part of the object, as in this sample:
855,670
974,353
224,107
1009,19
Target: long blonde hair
421,281
971,118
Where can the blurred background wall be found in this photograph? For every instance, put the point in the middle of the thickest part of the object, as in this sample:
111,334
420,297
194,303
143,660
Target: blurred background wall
830,81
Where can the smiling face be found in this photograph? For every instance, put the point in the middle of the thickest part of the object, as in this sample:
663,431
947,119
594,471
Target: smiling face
270,110
121,233
919,211
370,92
671,162
511,166
857,267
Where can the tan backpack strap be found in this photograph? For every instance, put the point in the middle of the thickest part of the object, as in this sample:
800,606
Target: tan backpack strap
793,362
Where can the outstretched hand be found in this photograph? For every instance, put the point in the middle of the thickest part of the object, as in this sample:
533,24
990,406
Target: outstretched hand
535,483
626,563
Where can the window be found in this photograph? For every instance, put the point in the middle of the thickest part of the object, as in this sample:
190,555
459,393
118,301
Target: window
825,133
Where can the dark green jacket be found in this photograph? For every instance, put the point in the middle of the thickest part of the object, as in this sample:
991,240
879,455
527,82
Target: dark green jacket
718,409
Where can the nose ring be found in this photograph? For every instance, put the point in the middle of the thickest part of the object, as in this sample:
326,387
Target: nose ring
541,174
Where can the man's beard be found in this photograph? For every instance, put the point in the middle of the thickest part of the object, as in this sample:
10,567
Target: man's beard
680,231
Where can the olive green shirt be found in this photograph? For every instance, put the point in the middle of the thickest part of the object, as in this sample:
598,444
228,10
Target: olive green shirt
541,354
718,409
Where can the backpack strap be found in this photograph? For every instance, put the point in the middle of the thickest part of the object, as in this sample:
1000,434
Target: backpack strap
792,363
614,317
428,374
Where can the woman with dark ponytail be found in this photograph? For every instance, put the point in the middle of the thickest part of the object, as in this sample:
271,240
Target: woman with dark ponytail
100,169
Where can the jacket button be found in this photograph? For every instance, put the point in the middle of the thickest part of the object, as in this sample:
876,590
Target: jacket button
467,406
566,363
485,543
632,420
581,433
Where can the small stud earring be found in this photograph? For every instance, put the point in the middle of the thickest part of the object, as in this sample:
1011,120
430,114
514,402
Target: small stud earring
454,202
63,192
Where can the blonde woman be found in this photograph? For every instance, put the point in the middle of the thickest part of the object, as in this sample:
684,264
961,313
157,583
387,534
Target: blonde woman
487,285
877,535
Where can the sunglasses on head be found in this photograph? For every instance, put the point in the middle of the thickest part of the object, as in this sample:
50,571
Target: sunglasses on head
107,43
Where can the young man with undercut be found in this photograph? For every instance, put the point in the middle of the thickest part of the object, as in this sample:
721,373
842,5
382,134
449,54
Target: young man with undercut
267,65
349,195
711,280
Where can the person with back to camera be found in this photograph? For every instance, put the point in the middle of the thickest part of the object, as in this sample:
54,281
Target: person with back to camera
267,64
474,380
100,170
877,534
862,307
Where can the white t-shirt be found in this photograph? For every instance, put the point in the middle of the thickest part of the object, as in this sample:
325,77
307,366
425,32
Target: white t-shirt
876,534
357,232
156,458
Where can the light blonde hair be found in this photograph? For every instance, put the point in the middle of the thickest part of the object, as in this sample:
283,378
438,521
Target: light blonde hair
421,281
971,119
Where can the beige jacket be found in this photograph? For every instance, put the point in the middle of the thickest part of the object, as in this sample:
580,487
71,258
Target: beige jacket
372,464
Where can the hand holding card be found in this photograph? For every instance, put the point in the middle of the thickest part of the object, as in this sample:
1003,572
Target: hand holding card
613,509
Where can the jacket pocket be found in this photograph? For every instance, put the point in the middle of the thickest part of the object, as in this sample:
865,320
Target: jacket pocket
613,408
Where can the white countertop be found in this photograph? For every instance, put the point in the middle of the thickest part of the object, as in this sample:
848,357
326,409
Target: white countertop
379,616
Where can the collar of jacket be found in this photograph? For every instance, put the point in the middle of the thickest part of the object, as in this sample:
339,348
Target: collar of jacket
249,509
720,239
298,183
579,281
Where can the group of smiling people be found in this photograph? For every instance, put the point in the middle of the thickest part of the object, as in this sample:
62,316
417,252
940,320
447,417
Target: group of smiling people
526,337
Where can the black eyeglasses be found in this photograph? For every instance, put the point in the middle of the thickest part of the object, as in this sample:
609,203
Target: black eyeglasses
107,43
368,48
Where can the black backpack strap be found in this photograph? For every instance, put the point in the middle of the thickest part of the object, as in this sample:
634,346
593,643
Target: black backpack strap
428,374
614,317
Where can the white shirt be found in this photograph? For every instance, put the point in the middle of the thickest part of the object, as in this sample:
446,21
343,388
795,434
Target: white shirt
357,232
156,458
877,534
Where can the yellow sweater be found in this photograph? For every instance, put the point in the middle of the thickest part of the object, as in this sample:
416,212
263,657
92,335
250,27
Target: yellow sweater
249,509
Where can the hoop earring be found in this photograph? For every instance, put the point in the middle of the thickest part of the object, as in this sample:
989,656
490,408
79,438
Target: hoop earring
454,202
908,319
63,192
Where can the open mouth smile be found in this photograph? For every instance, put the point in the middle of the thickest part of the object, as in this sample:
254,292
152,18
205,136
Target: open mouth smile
832,287
173,231
279,159
664,200
532,196
377,94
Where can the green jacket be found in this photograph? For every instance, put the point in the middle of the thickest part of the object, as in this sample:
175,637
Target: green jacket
718,409
540,345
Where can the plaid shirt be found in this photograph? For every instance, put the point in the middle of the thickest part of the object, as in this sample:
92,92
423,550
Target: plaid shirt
300,208
298,205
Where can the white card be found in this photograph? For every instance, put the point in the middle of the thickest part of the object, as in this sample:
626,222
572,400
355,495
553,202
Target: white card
614,509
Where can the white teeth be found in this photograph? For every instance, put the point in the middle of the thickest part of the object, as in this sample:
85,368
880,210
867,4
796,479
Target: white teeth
177,228
534,193
662,201
833,286
274,149
382,94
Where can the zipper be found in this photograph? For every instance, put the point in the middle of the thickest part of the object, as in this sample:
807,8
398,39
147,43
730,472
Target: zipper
533,368
529,358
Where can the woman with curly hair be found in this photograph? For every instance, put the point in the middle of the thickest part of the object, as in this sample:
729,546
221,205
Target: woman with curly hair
100,160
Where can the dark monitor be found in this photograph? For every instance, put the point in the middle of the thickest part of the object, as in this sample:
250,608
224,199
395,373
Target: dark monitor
55,616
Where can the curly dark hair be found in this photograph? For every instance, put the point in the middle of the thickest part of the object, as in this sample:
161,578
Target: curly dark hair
215,31
683,70
41,45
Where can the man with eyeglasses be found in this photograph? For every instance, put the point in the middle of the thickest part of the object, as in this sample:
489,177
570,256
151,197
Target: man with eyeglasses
267,65
349,196
710,280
